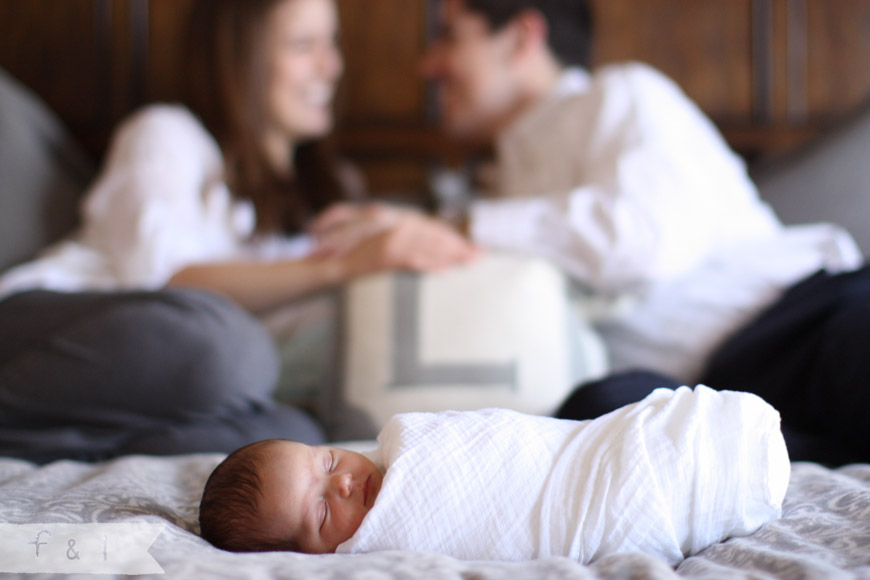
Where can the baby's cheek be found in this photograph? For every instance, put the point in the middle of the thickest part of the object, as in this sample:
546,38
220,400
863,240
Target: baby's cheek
353,525
340,535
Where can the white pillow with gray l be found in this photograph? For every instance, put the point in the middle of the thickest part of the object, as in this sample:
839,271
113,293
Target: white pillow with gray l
502,332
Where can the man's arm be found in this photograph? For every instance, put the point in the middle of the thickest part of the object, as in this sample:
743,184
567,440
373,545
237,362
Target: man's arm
660,189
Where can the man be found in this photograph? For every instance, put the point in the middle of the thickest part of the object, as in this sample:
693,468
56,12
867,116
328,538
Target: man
618,178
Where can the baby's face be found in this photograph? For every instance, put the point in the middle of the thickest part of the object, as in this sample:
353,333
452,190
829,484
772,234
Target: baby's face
318,495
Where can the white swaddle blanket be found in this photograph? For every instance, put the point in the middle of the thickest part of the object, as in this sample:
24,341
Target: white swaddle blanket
669,476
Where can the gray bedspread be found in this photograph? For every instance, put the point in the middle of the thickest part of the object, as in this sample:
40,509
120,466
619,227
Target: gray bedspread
824,532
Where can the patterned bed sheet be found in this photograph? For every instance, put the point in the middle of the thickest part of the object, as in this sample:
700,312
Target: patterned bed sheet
824,532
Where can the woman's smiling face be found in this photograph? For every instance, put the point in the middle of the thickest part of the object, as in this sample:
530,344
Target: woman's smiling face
305,66
316,496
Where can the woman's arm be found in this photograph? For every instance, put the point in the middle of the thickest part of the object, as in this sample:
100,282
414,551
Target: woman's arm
260,286
414,244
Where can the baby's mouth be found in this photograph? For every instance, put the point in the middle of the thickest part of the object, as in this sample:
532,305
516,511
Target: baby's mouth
369,490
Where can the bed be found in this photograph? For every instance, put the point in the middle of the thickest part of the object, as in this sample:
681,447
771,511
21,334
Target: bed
824,532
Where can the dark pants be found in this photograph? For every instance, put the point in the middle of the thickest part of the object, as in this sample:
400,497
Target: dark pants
808,355
94,375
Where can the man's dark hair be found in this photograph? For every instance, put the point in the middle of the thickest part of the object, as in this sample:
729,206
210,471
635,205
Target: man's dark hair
229,510
569,23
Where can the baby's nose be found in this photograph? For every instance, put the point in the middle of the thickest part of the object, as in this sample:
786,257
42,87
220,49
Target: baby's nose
342,483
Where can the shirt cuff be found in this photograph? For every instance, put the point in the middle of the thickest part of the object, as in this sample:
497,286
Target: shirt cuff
506,224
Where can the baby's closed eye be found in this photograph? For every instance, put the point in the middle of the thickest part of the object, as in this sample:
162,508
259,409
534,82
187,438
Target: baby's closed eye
324,512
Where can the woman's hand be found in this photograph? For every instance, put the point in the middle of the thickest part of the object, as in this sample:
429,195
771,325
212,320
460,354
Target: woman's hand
345,225
416,243
413,243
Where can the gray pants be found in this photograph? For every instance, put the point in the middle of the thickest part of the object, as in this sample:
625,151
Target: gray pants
93,375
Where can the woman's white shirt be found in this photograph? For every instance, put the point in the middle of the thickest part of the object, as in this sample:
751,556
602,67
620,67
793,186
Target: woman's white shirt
159,204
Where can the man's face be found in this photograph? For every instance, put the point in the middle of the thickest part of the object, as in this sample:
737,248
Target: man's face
317,495
473,68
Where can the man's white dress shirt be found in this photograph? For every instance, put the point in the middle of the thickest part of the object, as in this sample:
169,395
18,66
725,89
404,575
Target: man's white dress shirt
623,182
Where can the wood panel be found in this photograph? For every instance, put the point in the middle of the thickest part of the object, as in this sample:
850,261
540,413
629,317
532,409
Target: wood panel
782,46
838,47
772,73
382,95
61,51
168,20
127,57
703,44
382,42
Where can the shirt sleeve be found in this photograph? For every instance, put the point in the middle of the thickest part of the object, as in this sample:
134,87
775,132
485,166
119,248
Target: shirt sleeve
160,202
660,190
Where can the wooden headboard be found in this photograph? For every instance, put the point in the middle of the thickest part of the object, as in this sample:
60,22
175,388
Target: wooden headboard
771,73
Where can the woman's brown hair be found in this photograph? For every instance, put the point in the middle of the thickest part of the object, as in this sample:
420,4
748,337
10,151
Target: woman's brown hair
227,76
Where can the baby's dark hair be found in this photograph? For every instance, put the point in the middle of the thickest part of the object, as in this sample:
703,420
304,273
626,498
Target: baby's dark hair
229,510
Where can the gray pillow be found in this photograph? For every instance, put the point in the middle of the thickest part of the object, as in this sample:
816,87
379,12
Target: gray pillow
43,173
829,180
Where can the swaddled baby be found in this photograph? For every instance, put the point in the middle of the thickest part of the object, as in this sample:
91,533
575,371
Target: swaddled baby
669,476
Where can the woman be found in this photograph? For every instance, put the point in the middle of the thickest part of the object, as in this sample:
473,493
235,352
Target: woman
121,339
